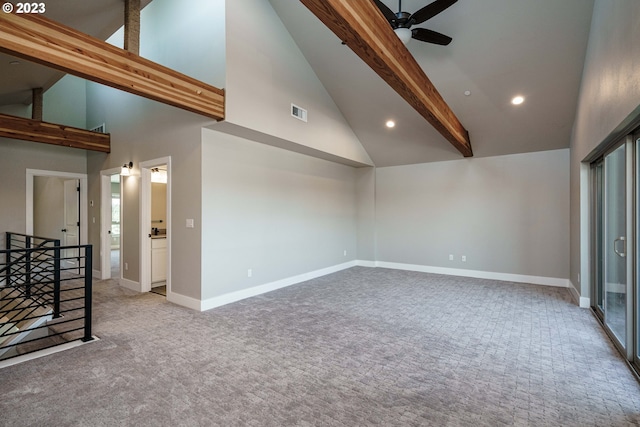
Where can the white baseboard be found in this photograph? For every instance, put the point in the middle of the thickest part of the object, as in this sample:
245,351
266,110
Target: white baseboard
221,300
130,284
46,352
582,302
507,277
192,303
363,263
96,274
210,303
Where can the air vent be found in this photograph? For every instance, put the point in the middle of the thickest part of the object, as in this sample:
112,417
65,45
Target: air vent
100,129
298,113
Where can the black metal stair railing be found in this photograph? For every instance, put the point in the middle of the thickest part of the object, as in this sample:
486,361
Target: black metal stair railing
45,294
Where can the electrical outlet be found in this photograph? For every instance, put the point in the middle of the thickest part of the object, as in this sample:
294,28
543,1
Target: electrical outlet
464,258
345,252
450,257
126,265
249,273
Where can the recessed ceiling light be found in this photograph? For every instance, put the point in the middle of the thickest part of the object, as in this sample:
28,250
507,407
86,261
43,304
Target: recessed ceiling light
467,93
517,100
390,124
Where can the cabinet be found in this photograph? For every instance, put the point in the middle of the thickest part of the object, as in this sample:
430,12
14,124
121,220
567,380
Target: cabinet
158,260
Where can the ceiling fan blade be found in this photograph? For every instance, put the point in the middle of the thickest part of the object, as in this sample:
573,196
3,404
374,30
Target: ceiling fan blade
388,13
430,36
430,10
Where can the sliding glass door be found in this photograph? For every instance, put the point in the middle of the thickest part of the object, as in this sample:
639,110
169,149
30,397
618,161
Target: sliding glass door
614,244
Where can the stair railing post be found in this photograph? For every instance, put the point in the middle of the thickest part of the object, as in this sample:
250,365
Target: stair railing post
56,279
88,269
7,245
27,264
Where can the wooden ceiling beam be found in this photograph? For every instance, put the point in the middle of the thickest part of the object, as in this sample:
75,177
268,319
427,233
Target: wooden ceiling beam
54,134
361,25
46,42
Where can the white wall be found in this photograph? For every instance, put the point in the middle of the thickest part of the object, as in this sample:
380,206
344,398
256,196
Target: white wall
266,72
506,214
276,212
610,92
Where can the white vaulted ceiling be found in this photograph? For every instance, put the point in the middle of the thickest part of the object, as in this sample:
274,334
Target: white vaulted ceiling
500,48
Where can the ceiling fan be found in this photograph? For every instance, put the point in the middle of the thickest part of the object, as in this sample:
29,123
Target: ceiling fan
402,22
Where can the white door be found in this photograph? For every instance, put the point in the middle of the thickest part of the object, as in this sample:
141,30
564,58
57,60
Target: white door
71,228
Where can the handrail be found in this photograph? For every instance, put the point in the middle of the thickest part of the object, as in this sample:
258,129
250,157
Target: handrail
42,289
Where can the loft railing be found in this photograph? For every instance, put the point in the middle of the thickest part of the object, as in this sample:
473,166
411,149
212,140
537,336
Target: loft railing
45,294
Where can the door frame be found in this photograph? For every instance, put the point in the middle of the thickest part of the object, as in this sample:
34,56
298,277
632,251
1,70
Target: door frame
84,214
145,221
105,222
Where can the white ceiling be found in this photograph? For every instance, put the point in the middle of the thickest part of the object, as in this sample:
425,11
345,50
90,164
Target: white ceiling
500,48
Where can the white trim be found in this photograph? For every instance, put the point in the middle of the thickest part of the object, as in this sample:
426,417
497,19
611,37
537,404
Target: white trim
46,352
507,277
105,221
145,221
96,274
580,300
130,284
192,303
363,263
221,300
585,228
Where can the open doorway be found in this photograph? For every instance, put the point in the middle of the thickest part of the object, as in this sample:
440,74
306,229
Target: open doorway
114,235
155,226
111,224
55,203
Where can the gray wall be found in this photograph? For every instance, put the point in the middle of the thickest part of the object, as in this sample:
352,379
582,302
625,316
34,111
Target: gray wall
276,212
507,214
366,208
142,130
610,92
266,72
15,158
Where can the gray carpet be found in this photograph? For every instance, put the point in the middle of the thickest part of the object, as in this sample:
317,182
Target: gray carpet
356,348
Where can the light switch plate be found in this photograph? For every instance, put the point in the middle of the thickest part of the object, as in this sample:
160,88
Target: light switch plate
190,223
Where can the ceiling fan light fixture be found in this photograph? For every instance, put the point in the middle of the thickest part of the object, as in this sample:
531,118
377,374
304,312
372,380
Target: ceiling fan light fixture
404,34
